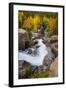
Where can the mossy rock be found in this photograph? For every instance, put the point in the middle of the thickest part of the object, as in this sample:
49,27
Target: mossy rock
28,73
40,74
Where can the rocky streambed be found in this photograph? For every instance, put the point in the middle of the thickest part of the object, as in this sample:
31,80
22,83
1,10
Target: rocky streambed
39,64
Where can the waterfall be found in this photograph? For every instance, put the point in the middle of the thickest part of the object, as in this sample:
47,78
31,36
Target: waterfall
37,59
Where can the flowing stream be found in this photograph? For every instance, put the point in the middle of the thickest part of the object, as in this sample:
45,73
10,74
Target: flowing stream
34,59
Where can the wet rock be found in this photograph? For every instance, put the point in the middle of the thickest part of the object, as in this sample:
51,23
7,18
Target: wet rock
54,48
53,39
24,69
46,40
35,35
46,64
33,51
34,69
48,59
30,51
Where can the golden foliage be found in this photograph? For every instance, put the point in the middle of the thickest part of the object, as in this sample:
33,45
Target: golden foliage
28,23
33,22
51,22
37,21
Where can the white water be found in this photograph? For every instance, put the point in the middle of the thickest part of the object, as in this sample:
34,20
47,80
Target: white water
35,60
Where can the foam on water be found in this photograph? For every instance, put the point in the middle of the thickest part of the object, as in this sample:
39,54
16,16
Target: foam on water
37,59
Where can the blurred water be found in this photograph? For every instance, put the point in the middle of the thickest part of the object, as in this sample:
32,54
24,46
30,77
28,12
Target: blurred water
34,59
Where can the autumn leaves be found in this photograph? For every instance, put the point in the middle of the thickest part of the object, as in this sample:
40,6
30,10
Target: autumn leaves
32,20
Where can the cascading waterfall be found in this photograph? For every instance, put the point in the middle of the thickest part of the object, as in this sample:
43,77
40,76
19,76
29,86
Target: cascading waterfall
35,59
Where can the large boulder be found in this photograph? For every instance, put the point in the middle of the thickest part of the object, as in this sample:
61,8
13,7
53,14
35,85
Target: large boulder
54,68
23,34
48,59
23,37
53,43
24,69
